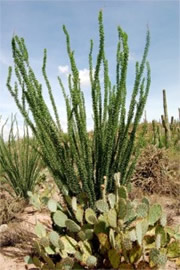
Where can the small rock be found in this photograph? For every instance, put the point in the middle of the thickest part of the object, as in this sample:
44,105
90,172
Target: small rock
3,228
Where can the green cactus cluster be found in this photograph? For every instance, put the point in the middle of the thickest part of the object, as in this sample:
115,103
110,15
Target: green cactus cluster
167,133
117,233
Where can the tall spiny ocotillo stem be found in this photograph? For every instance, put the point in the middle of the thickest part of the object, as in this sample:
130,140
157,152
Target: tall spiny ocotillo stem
165,120
80,163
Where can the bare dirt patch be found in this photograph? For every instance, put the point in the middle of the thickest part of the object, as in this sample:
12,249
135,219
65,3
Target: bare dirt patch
17,240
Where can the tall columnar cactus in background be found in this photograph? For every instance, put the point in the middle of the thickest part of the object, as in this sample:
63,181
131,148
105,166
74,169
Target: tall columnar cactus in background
154,129
81,163
165,121
165,133
157,137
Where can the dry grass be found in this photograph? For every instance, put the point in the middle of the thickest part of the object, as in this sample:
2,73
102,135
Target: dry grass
157,173
10,207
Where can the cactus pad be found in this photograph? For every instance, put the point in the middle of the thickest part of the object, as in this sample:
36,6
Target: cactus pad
174,249
40,230
112,218
82,235
60,218
74,203
103,239
52,205
78,256
89,234
85,247
114,258
155,213
142,210
44,241
66,264
54,238
157,258
122,192
122,208
135,253
160,231
90,216
111,200
36,261
91,261
79,213
102,206
72,226
163,220
69,244
112,238
139,233
146,201
158,241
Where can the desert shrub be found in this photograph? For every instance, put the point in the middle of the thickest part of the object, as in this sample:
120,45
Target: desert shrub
10,208
77,161
156,173
118,234
15,235
20,161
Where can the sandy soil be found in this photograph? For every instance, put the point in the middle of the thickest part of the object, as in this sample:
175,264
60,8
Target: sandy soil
12,257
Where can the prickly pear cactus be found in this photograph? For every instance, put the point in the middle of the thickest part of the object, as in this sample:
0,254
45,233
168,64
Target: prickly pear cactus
117,233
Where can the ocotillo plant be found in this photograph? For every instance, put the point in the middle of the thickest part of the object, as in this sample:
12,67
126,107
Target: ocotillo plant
80,164
20,162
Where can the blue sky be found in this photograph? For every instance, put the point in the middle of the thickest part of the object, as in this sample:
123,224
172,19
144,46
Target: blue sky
40,23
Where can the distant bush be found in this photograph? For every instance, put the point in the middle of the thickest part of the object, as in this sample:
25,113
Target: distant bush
156,173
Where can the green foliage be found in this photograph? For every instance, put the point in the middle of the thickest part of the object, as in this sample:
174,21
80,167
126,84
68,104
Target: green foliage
165,121
167,133
80,161
155,213
174,249
142,210
102,206
90,216
19,159
39,199
60,218
105,239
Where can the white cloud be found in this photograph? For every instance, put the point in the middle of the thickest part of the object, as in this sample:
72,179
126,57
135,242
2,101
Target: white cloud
84,77
132,57
63,69
4,59
83,74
